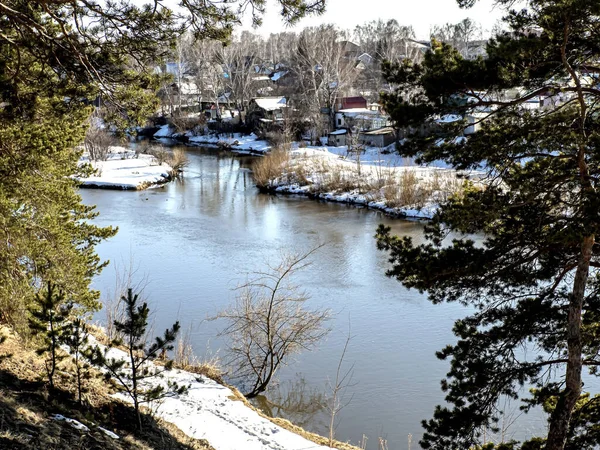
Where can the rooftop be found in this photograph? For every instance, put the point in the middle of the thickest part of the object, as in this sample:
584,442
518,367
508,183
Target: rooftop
271,103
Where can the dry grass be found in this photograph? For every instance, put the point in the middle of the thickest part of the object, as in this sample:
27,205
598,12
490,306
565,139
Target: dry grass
270,167
405,187
27,410
406,190
186,359
160,153
178,161
317,439
340,180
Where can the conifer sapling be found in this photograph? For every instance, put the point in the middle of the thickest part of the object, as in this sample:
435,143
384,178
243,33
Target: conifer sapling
134,372
76,339
48,321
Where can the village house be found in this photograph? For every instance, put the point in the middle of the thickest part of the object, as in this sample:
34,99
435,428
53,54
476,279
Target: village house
350,50
266,112
337,138
381,137
355,112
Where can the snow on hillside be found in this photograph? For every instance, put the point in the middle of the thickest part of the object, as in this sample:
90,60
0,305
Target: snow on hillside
209,410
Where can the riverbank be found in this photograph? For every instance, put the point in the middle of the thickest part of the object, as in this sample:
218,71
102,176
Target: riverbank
212,411
34,419
209,412
124,169
371,178
238,143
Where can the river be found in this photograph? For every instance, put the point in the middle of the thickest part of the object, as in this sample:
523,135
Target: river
193,241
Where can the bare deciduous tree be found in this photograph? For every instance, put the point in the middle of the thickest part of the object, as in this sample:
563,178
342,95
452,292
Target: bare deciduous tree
98,142
338,388
459,35
269,323
323,72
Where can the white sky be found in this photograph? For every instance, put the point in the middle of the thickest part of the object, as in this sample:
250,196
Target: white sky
421,14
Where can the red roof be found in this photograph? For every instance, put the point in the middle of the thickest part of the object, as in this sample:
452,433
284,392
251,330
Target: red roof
353,102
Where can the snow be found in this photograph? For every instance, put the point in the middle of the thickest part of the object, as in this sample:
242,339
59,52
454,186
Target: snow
338,132
271,103
74,423
449,118
124,170
208,410
378,167
238,142
351,111
109,433
164,132
277,75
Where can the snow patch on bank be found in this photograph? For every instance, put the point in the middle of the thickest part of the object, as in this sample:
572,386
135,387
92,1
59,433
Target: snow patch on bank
164,131
237,143
354,198
74,423
374,179
125,170
209,411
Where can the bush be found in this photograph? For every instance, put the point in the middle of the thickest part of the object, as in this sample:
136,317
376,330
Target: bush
97,143
160,153
278,138
178,161
185,123
404,191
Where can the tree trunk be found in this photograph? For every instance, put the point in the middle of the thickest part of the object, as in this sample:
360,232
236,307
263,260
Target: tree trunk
561,417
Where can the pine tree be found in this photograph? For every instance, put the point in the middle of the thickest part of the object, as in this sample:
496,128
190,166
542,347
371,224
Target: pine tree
56,57
533,282
48,321
133,373
76,338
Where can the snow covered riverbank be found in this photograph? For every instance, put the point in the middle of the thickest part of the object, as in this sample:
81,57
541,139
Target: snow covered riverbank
211,411
236,142
374,178
124,169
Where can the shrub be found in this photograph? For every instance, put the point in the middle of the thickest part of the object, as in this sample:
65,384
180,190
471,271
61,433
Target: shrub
160,153
97,143
178,161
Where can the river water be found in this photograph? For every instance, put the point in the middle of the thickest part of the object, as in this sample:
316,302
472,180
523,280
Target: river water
193,241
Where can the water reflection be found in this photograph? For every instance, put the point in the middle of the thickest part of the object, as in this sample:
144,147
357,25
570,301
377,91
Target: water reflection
295,400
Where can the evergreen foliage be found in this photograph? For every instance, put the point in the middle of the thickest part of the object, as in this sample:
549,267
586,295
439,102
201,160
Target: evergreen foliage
533,281
56,58
6,356
132,374
48,321
76,338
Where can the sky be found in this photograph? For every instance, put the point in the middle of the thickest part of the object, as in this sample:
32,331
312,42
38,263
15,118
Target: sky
421,14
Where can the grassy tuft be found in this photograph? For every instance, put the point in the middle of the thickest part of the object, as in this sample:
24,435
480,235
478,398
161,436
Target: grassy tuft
270,167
